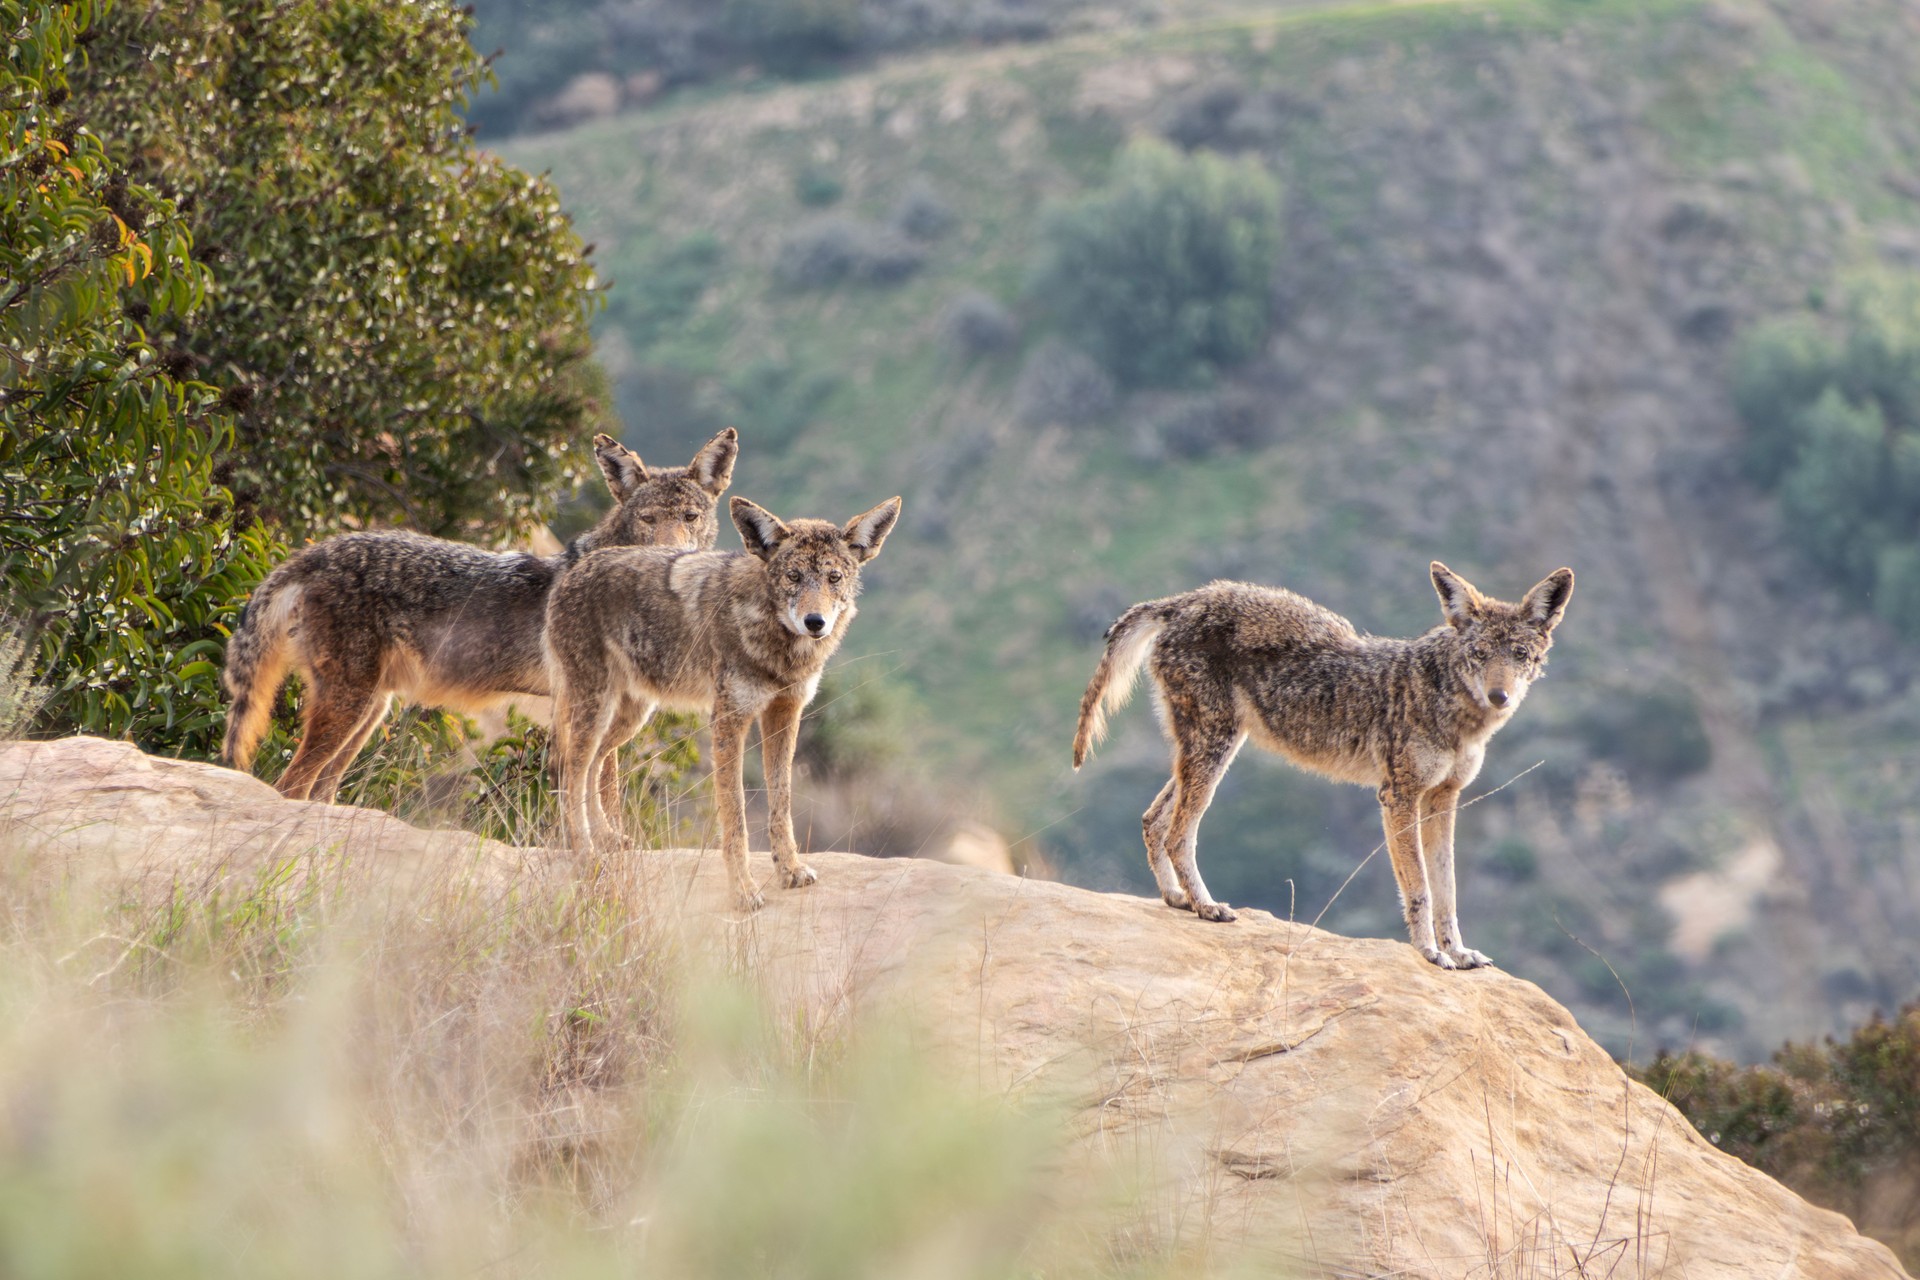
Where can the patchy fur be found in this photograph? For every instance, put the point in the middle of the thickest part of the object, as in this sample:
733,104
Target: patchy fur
744,635
368,617
1410,718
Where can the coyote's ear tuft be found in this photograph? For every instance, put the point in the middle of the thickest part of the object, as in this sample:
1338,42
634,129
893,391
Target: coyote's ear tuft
760,529
1458,599
865,533
1546,603
712,467
620,465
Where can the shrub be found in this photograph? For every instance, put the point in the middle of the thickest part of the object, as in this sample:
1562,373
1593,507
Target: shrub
976,324
1837,1122
834,250
790,34
1211,424
921,213
816,186
1832,410
1165,273
1059,384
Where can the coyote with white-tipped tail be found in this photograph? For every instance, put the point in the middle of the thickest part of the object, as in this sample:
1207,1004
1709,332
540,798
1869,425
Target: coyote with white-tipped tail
1410,718
366,617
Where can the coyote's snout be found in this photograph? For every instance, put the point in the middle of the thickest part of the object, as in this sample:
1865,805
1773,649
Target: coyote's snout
1410,718
365,617
744,635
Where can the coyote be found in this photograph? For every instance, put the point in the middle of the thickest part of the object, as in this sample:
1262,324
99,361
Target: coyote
1408,717
743,634
367,616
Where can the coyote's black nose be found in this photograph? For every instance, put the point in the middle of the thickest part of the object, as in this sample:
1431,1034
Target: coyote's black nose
1498,697
815,624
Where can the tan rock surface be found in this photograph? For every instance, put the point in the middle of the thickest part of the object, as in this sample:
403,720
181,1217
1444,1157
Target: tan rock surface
1337,1102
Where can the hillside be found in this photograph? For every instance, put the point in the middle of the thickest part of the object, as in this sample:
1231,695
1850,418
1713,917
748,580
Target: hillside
1518,240
1275,1094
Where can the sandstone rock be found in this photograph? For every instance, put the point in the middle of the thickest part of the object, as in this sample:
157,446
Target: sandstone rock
1335,1104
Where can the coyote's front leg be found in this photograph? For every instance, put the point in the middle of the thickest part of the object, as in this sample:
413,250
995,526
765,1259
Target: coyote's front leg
1400,814
730,798
1436,843
779,733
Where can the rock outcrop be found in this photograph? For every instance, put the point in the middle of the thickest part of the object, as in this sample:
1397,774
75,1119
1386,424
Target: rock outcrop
1337,1101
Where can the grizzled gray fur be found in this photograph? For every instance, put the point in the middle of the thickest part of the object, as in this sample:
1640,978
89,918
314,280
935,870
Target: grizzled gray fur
744,635
366,617
1410,718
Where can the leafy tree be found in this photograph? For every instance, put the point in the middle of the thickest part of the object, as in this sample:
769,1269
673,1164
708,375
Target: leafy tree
399,319
1832,409
1165,273
115,542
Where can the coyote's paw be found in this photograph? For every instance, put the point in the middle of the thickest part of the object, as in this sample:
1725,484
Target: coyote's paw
748,899
1218,912
1436,956
797,876
1177,899
1468,958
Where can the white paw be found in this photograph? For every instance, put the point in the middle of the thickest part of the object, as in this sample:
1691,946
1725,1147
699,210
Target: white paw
1436,956
1219,912
748,899
1468,958
798,876
1177,899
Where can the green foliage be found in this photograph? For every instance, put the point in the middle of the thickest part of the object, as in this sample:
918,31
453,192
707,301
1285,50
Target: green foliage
1839,1122
790,34
399,318
1165,273
116,542
665,290
1654,733
816,186
1833,422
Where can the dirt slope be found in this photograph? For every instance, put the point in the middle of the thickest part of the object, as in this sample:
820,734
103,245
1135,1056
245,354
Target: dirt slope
1336,1102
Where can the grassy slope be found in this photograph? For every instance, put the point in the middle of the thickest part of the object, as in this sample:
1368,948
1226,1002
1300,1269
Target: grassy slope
1507,417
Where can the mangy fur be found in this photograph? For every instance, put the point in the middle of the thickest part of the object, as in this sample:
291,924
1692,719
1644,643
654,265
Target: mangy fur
367,617
1411,718
744,635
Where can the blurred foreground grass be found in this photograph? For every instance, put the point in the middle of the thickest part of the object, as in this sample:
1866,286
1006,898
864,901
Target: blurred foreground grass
326,1077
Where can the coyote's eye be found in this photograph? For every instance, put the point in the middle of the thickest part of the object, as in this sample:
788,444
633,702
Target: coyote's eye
793,575
1521,652
691,516
646,519
834,576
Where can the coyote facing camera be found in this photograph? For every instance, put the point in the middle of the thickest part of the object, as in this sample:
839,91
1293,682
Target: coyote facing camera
365,617
743,635
1410,718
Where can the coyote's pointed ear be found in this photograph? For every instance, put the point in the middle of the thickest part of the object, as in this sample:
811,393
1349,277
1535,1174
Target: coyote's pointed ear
1458,599
712,467
760,529
620,465
865,533
1545,604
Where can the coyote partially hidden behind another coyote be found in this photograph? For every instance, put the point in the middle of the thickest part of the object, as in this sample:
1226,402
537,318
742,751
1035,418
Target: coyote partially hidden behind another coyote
1408,717
742,634
365,616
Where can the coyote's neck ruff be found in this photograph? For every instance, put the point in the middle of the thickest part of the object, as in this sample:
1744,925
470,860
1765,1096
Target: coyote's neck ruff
744,634
1411,718
367,617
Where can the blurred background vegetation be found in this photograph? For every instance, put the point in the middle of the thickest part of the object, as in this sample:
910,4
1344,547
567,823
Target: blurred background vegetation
1122,297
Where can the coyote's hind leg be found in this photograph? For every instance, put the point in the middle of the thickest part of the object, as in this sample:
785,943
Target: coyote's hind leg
1153,827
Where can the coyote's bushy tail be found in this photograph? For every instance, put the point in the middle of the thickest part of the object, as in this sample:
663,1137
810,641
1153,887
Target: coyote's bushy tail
1130,642
258,657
